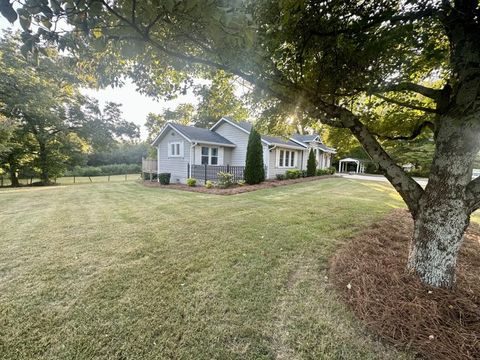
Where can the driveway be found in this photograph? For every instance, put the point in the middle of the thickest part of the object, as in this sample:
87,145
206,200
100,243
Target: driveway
373,177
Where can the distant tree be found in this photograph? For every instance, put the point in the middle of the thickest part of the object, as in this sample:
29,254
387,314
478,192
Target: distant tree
254,168
218,99
182,114
121,153
56,126
311,164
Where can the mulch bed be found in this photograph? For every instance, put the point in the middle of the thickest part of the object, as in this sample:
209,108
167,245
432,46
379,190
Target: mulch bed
433,323
236,189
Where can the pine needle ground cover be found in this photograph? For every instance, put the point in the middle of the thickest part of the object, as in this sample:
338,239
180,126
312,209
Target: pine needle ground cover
435,323
119,270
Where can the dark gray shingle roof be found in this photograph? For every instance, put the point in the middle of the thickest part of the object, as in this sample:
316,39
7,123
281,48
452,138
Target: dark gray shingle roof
304,138
201,135
270,139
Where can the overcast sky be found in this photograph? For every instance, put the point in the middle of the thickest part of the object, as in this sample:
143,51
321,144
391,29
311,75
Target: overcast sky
135,106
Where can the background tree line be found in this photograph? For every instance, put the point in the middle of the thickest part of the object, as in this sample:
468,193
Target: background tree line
46,125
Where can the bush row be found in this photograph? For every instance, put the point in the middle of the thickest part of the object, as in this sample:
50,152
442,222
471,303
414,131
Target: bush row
113,169
296,174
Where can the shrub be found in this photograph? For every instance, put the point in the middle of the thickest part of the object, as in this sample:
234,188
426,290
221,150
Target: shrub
241,182
225,180
191,182
281,177
209,184
311,164
254,170
293,174
304,173
327,171
164,178
331,170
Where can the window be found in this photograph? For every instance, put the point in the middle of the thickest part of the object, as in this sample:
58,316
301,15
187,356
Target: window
175,149
214,156
209,155
205,151
286,158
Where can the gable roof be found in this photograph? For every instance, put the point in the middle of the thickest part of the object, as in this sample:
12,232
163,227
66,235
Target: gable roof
269,140
196,134
305,138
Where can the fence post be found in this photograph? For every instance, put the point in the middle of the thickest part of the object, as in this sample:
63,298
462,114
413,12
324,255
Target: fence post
205,178
74,179
228,168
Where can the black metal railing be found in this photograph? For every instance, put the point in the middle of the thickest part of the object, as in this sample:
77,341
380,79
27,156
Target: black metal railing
210,172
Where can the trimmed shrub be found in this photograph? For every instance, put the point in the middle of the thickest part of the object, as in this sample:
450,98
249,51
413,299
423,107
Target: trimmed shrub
254,170
164,178
209,184
327,171
304,173
331,170
311,164
293,174
225,180
191,182
281,177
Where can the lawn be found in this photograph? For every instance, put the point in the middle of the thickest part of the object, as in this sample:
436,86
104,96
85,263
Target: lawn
121,271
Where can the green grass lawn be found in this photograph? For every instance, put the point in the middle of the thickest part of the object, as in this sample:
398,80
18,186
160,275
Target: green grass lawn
121,271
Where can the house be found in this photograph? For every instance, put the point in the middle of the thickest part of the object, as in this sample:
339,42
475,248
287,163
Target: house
185,151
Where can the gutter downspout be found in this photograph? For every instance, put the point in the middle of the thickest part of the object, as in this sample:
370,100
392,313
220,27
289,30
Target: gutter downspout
191,161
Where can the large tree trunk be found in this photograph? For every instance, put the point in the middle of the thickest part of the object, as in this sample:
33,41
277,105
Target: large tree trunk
444,210
43,163
437,236
13,168
13,176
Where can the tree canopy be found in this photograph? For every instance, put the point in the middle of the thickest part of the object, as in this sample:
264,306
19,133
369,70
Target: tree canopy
55,125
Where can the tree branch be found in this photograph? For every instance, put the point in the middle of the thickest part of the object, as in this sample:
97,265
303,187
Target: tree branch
416,132
407,105
433,94
407,187
473,194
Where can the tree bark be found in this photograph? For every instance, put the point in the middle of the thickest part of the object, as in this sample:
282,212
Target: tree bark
13,176
43,162
444,209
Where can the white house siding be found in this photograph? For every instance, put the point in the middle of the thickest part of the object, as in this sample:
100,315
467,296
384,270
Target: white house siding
239,138
274,169
227,156
176,166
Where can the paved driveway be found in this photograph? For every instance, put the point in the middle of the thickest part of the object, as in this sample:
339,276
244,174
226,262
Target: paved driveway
372,177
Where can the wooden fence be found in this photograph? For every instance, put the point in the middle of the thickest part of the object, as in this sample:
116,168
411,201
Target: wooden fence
210,172
149,166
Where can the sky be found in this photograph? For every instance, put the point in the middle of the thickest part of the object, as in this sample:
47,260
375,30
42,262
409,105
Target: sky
135,106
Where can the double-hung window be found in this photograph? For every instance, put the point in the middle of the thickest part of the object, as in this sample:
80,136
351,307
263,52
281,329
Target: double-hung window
286,158
175,149
209,155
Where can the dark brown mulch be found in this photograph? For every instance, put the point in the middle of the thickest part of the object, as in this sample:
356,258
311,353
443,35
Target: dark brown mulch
433,323
237,189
